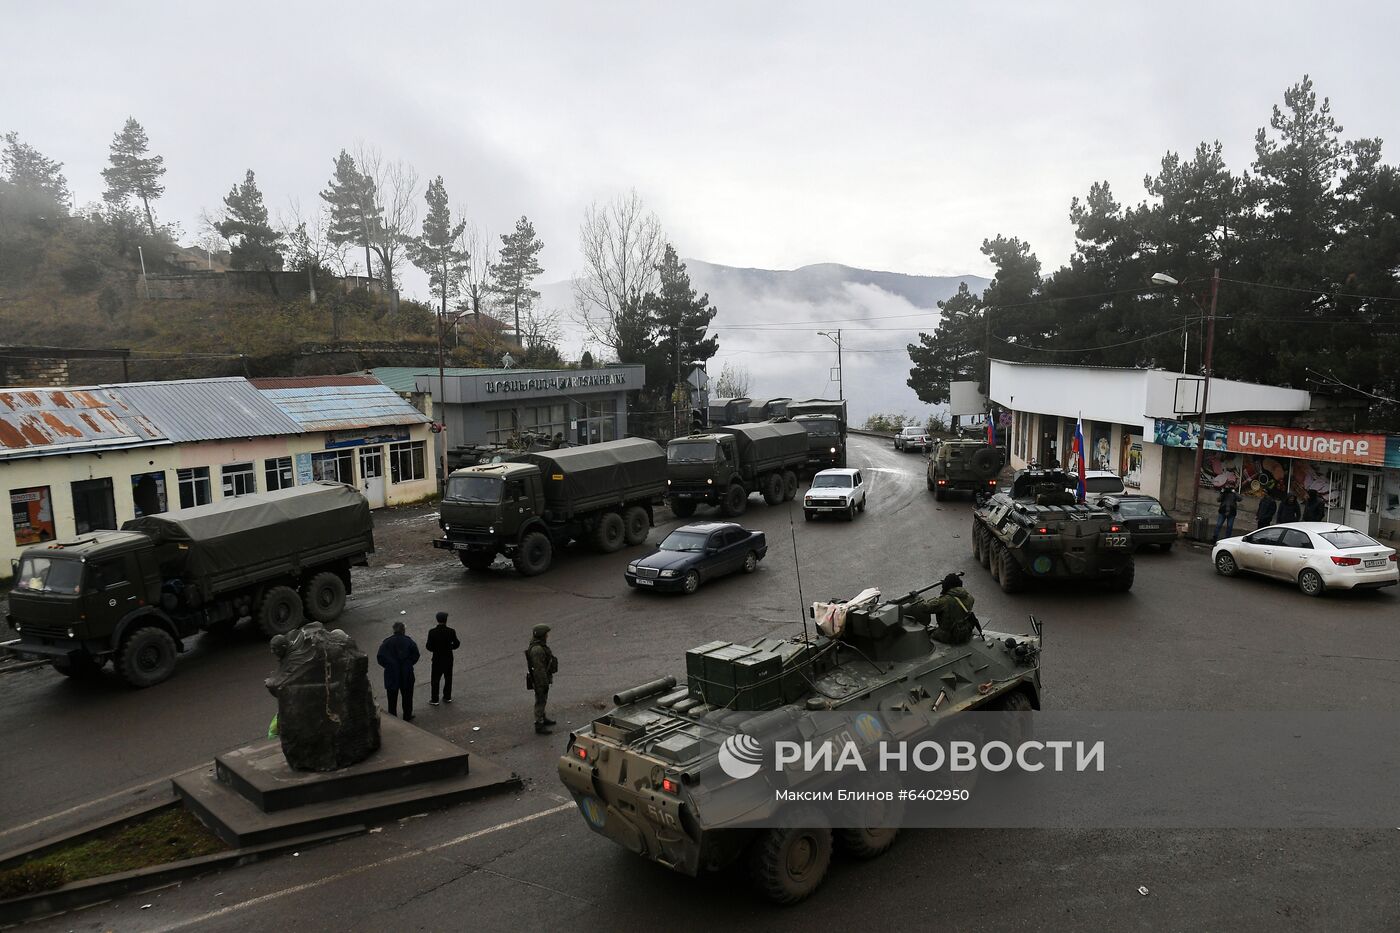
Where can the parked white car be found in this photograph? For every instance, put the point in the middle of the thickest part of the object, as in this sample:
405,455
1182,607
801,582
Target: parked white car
1317,556
913,438
837,492
1102,483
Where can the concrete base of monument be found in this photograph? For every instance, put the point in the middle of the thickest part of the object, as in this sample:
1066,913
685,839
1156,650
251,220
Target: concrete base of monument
250,796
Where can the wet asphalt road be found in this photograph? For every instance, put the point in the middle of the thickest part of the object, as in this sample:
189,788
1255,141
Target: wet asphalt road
1182,639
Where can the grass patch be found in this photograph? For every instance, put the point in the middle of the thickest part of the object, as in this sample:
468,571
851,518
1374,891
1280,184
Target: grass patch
171,835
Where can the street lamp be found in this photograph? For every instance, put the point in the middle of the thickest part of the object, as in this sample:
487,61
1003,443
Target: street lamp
835,337
1161,278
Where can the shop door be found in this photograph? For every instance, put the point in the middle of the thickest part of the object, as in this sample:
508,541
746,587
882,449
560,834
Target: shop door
372,475
93,505
1361,492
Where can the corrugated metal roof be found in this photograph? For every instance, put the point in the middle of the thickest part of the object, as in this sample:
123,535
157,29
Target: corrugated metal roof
207,409
403,378
336,408
39,421
297,382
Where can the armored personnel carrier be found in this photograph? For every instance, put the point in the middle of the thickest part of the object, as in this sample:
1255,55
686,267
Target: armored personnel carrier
651,774
1039,531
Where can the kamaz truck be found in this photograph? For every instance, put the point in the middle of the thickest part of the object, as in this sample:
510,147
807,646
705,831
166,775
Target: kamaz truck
534,503
133,596
723,467
766,409
723,411
826,441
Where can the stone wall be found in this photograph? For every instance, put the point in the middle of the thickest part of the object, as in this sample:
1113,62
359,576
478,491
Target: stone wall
184,286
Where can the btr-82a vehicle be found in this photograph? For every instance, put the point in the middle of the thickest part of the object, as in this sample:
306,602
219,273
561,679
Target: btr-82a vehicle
652,773
1040,531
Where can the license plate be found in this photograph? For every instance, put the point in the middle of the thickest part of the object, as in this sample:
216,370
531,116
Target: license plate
1149,527
641,582
1375,563
1115,540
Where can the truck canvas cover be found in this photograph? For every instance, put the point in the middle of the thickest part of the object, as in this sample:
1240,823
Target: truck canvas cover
818,406
229,539
582,478
768,445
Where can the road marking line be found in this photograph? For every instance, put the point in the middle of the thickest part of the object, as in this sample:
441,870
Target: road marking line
92,803
320,882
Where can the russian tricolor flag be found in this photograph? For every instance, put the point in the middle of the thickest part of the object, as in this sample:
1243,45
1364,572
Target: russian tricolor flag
1079,455
991,431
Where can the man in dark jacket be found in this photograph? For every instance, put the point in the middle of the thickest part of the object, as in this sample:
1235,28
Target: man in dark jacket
1288,511
397,655
1315,508
953,610
442,641
1225,512
1268,507
541,666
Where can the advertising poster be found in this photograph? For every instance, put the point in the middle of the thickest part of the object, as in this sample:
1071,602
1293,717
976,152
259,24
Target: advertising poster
1171,433
1262,476
32,515
1219,469
1309,474
1390,497
1131,466
1099,449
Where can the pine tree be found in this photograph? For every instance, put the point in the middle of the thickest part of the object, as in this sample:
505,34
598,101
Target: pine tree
134,173
436,251
516,268
356,216
254,243
679,321
953,352
33,174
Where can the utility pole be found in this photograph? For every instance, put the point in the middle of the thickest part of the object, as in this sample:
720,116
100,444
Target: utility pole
1205,397
840,370
442,397
676,389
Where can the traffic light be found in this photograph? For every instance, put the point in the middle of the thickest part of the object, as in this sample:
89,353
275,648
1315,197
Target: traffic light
697,419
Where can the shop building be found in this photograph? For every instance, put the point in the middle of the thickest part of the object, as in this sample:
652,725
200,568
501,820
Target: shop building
1143,424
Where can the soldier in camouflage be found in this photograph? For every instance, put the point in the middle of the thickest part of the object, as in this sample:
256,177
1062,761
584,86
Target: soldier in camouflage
954,611
541,666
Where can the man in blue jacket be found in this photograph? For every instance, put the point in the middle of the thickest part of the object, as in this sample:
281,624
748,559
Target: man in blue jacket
397,655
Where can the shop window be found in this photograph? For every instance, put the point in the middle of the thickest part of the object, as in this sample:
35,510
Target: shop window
31,511
335,466
194,487
278,473
239,480
94,508
148,493
503,423
406,462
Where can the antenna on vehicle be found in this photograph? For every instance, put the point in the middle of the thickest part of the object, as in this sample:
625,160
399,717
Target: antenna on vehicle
801,603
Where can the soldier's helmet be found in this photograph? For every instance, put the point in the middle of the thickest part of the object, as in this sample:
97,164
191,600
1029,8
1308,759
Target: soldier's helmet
950,581
540,631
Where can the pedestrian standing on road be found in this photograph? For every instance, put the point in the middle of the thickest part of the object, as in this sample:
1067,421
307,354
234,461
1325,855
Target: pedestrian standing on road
397,655
1315,508
541,666
1288,512
442,641
1268,507
1225,512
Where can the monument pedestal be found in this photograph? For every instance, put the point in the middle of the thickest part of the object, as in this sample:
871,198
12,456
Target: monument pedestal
251,795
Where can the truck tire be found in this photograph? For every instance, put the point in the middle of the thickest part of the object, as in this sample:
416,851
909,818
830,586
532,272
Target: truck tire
787,865
147,656
772,486
789,485
82,667
610,533
1013,578
638,525
866,843
534,555
988,547
940,492
323,597
986,463
736,500
1124,580
477,560
279,612
976,543
682,508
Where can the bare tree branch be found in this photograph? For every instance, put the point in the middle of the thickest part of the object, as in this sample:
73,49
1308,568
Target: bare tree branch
621,245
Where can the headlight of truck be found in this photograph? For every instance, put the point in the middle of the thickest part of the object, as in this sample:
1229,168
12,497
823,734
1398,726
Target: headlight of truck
833,450
70,634
709,482
668,482
669,573
490,529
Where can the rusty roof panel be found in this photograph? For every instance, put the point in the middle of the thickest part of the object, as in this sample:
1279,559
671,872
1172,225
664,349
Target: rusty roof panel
208,409
343,407
39,421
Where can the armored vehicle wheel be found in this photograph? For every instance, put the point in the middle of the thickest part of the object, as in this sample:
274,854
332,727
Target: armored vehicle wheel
787,865
323,597
988,548
81,667
750,562
773,488
789,485
1225,565
148,655
866,843
637,524
280,611
682,508
534,555
1124,580
610,534
977,543
1013,578
736,500
691,583
1018,725
477,560
1310,582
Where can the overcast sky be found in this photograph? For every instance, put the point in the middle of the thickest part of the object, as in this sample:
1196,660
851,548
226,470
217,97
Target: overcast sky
888,136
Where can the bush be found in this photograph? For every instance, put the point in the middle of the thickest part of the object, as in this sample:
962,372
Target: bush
31,879
81,277
887,423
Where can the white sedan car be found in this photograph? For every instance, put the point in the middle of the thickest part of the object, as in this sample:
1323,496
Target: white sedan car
1317,556
840,492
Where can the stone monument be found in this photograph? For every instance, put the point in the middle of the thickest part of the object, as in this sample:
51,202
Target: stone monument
326,715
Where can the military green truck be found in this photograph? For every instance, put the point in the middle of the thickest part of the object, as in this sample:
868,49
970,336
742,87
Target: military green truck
826,441
133,596
1039,532
723,467
766,409
724,411
965,465
534,503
